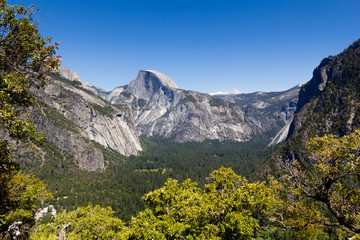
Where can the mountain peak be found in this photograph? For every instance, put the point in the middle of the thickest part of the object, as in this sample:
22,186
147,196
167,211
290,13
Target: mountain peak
148,82
165,80
68,74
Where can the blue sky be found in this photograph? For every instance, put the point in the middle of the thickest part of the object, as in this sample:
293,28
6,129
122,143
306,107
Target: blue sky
203,45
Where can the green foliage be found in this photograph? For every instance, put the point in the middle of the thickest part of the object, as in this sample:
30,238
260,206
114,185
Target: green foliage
24,190
25,58
326,192
126,179
315,201
83,223
226,209
229,207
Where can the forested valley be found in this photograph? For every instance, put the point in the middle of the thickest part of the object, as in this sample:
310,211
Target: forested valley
127,179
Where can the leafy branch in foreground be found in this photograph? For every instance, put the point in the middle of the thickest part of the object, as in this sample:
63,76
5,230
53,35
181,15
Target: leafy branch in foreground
229,208
83,223
25,58
326,192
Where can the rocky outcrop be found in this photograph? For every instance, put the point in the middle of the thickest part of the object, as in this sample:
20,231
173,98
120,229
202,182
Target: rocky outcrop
328,103
311,90
149,82
68,74
281,135
154,106
73,118
270,111
160,108
190,116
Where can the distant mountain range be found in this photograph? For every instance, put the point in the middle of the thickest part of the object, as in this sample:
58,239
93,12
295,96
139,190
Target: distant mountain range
80,119
233,92
160,108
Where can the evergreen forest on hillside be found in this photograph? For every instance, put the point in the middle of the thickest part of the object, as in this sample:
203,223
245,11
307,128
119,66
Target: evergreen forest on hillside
127,179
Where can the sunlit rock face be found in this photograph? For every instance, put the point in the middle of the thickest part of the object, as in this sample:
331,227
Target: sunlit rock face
149,82
328,103
74,118
68,74
80,119
160,108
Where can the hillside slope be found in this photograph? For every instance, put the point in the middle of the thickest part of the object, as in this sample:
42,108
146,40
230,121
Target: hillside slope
328,103
74,118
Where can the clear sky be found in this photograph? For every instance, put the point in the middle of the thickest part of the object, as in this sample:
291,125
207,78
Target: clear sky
203,45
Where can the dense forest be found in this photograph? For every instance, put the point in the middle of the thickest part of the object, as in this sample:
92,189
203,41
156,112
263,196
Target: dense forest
127,179
316,202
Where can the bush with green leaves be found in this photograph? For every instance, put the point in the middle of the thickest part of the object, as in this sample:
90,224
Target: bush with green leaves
228,208
83,223
25,59
323,194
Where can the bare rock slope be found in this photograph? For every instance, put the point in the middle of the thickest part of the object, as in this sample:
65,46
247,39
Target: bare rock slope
160,108
74,118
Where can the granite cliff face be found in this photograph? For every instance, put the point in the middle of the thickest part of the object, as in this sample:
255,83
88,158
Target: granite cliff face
76,119
68,74
275,109
160,108
328,103
73,118
280,105
149,82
